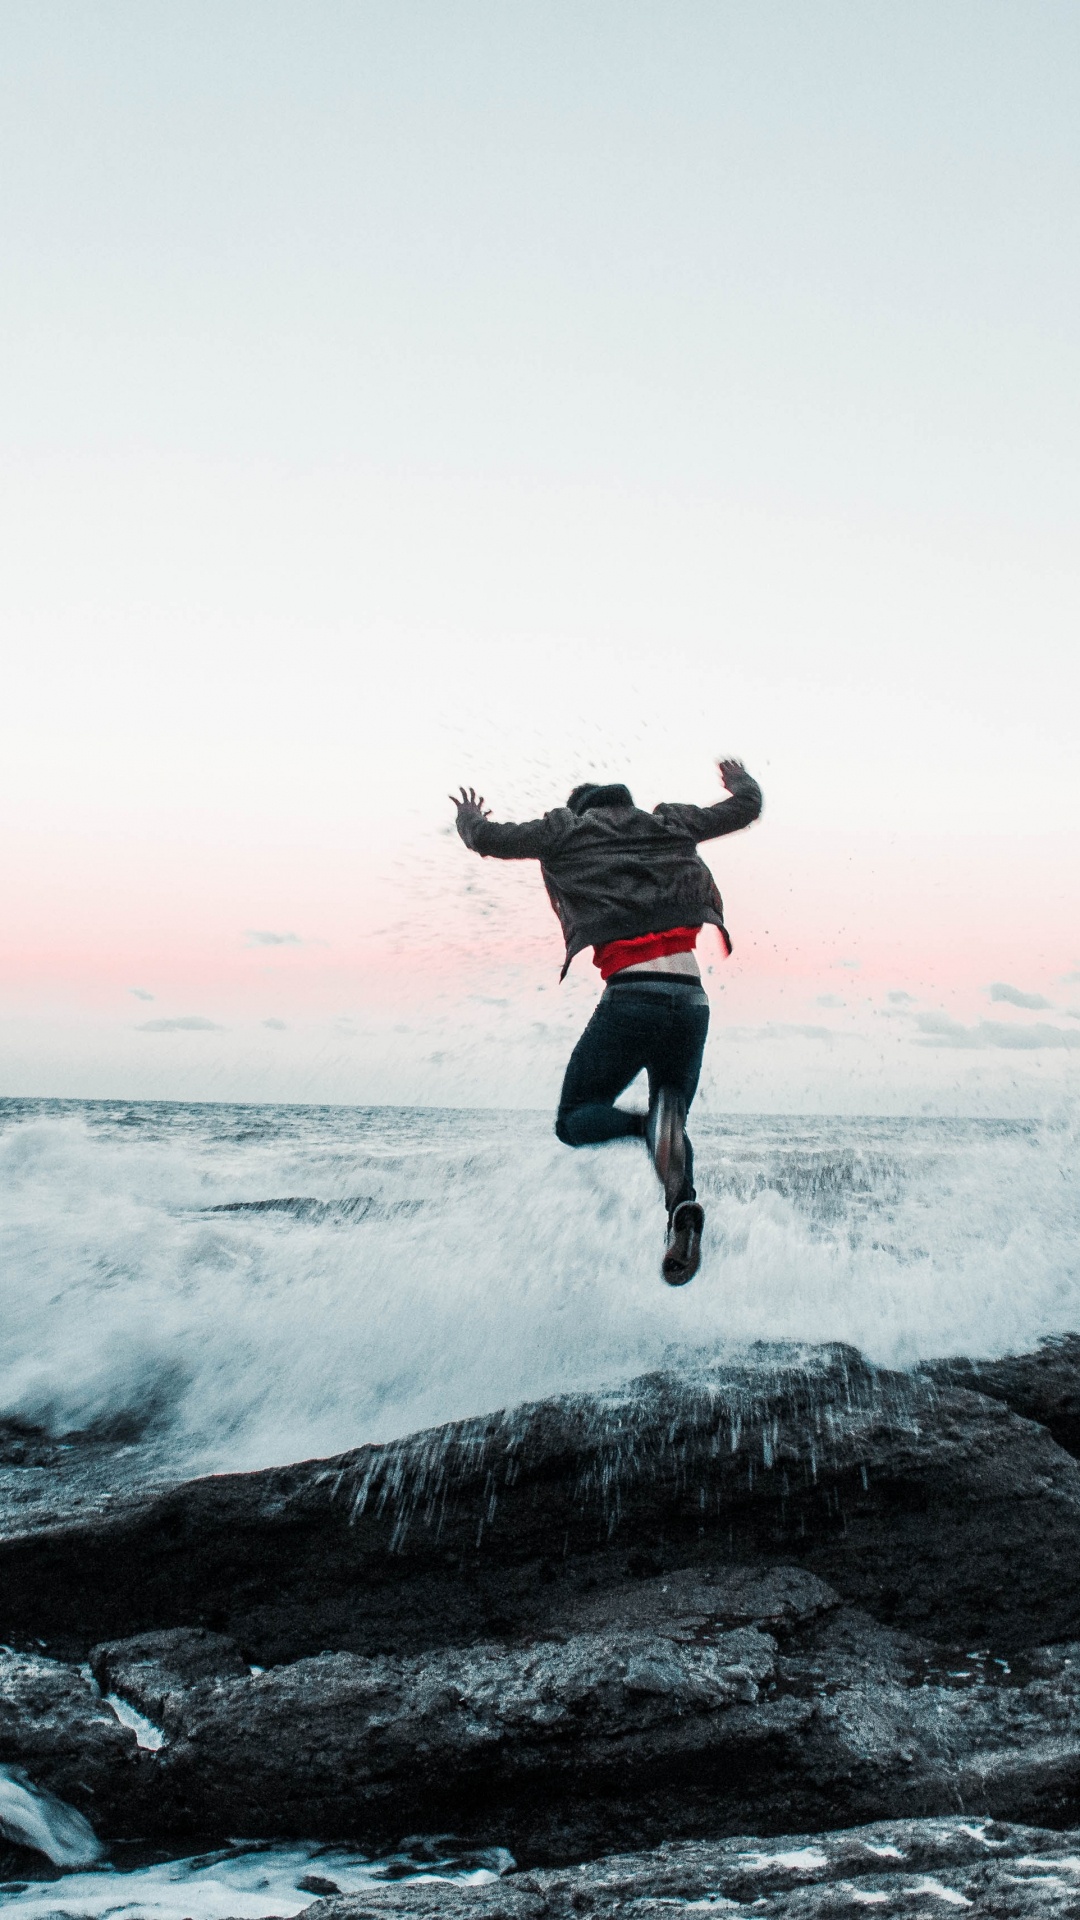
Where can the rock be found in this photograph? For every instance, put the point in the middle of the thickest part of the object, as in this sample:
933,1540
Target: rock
715,1604
46,1480
910,1868
892,1730
157,1672
1042,1386
464,1739
563,1748
932,1507
186,1655
690,1599
55,1726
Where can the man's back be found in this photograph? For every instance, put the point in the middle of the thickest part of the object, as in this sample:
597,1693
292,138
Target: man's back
620,871
613,872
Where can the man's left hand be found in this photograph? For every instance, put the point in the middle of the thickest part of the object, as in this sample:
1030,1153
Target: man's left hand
731,771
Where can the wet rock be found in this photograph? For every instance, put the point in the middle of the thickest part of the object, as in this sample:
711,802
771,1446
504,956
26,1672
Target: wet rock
719,1603
19,1865
1042,1386
1019,1744
945,1737
932,1507
690,1600
913,1868
183,1655
47,1481
562,1748
157,1672
469,1739
54,1725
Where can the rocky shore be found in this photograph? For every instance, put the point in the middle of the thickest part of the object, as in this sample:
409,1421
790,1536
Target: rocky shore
789,1597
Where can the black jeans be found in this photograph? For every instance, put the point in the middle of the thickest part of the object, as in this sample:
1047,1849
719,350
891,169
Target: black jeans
648,1024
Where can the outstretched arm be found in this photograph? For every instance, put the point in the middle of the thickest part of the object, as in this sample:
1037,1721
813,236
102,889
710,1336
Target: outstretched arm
505,840
726,816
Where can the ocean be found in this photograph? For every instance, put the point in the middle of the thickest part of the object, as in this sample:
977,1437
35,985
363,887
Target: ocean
248,1285
239,1286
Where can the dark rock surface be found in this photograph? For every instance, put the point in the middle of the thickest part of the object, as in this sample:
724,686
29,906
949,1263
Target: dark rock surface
788,1593
934,1507
1042,1386
46,1482
159,1672
559,1748
915,1869
53,1723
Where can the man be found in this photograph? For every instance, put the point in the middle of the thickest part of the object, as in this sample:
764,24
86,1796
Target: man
633,886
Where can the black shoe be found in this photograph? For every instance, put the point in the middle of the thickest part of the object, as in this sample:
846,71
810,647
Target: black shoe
683,1256
666,1137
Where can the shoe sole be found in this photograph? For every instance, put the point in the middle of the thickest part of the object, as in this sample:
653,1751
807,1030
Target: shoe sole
677,1271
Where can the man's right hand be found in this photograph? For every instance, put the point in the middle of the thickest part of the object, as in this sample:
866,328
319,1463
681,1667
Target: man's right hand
470,806
730,771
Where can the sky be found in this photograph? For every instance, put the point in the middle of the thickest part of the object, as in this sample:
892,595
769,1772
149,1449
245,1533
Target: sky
514,393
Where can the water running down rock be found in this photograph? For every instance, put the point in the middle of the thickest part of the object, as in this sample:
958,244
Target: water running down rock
793,1593
32,1818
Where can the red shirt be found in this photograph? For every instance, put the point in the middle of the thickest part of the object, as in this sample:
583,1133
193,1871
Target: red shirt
645,946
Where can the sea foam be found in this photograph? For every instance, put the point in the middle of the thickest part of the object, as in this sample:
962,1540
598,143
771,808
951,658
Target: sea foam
256,1285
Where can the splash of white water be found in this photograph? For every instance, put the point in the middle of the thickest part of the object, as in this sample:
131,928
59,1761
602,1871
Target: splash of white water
30,1817
241,1882
442,1265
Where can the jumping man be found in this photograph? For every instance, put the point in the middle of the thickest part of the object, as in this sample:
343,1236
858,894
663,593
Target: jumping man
633,887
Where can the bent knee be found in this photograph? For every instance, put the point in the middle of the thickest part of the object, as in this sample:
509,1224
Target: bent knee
564,1128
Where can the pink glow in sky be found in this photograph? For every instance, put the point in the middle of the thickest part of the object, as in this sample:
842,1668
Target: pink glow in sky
407,396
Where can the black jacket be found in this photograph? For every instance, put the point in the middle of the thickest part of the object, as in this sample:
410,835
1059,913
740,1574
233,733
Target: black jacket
615,872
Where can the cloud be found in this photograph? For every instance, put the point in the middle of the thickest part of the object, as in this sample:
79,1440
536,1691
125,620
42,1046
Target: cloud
266,939
851,965
140,993
187,1023
940,1030
901,999
1072,979
1002,991
275,1026
830,1000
